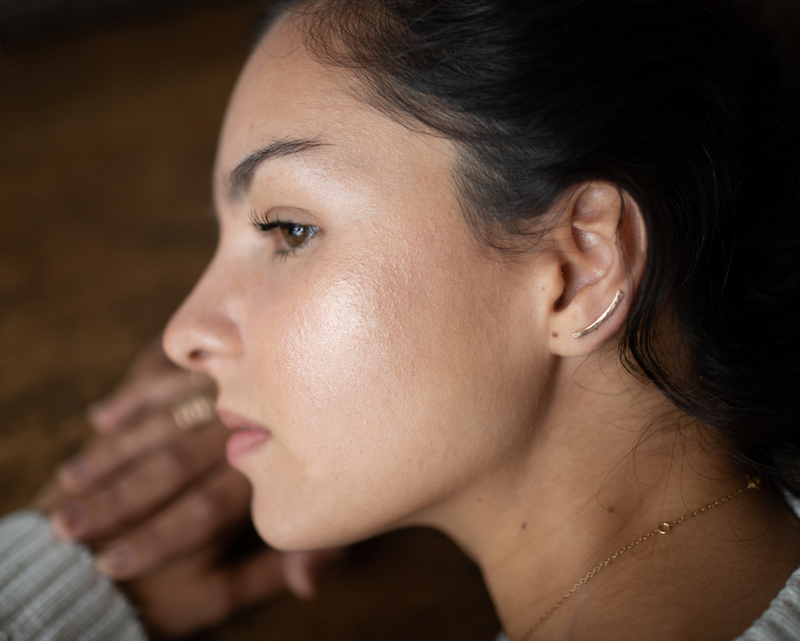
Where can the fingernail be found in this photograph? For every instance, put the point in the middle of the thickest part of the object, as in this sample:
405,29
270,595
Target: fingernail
70,516
75,473
114,559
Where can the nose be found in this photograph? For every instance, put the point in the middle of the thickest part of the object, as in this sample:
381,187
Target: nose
203,331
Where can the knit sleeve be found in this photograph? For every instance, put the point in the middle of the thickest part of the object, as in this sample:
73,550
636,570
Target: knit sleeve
50,591
781,621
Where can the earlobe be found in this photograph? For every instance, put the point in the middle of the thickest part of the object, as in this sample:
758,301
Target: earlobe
602,260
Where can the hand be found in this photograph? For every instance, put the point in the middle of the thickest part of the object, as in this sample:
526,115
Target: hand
142,491
200,589
158,504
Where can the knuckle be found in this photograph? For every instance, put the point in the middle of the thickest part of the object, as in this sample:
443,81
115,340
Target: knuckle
106,452
113,451
106,509
118,501
151,543
178,461
126,500
125,445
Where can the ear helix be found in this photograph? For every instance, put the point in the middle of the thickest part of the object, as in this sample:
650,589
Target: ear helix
603,317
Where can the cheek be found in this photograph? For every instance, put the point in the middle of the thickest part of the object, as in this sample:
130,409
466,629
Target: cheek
380,360
386,388
350,365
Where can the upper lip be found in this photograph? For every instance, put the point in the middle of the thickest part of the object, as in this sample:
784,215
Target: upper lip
236,422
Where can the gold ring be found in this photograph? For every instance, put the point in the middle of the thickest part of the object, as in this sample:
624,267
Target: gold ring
193,411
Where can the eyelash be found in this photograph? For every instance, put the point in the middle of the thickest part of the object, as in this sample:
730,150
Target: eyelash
262,224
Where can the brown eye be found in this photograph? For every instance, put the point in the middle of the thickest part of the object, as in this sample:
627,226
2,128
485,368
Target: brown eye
295,235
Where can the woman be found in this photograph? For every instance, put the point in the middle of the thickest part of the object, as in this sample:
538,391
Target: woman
524,272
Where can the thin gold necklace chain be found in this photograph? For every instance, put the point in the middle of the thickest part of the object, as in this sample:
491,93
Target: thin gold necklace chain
753,483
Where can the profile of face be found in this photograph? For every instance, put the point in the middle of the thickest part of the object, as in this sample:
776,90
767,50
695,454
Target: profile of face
352,313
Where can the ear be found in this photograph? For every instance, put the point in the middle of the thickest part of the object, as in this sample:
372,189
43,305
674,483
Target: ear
601,246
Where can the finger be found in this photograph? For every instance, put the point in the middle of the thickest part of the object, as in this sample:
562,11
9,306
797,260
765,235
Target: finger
194,595
105,455
255,579
138,396
303,571
148,365
213,506
228,590
48,497
147,484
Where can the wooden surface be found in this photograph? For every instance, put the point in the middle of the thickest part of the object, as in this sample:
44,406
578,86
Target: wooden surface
106,145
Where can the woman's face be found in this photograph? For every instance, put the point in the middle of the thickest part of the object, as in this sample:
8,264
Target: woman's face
390,355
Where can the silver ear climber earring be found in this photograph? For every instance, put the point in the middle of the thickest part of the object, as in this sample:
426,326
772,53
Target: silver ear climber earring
603,316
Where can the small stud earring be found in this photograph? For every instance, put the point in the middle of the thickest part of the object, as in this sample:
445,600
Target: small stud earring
603,316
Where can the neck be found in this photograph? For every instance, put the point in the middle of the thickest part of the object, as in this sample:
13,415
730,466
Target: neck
599,472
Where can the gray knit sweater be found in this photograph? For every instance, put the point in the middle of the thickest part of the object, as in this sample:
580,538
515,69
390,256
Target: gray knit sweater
50,591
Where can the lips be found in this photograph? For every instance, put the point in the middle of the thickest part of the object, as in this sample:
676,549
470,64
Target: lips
247,435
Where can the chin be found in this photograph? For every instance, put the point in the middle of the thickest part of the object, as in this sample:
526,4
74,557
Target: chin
276,534
293,531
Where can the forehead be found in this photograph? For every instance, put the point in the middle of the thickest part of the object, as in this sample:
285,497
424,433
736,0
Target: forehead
284,94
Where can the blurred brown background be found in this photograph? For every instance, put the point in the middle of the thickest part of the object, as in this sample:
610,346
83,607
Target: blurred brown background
108,120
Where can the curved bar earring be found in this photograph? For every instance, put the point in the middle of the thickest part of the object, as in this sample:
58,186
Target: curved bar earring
603,316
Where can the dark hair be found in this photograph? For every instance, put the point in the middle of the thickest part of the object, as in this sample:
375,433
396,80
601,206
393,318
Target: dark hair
682,103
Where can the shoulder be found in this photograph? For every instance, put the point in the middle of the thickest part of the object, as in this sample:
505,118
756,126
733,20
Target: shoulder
781,621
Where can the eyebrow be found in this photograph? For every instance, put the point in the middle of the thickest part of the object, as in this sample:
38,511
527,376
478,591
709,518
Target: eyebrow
242,175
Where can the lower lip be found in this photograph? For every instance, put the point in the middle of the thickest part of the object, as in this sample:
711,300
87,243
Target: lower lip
244,441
